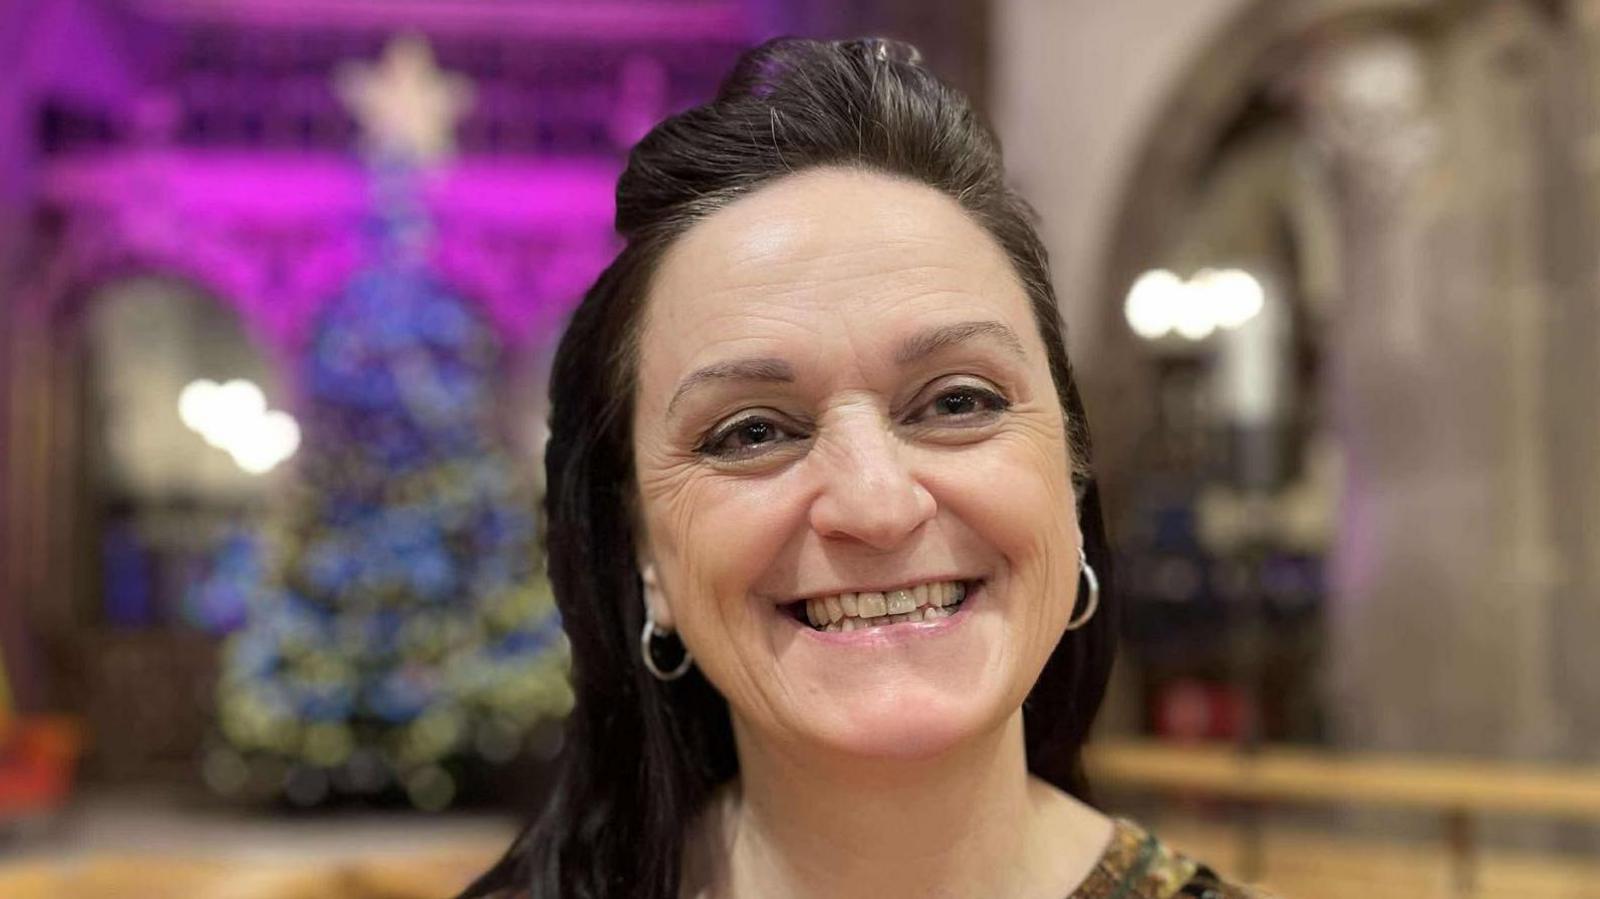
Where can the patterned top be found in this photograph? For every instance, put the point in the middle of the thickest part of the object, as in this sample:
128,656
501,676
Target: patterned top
1138,866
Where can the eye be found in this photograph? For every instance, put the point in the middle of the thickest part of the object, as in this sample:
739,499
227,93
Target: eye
746,436
962,404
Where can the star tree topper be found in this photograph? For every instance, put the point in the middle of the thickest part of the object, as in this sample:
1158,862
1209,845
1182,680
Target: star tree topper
407,106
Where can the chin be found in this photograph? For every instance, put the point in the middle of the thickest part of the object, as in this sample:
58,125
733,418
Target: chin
901,727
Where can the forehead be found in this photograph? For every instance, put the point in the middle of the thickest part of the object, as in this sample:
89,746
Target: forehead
855,246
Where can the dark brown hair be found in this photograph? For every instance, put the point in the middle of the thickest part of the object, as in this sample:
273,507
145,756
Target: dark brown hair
641,755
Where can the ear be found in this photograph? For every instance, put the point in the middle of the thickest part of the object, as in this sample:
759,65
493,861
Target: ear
655,599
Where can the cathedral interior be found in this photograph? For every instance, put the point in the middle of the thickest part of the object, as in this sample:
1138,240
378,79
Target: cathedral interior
1331,277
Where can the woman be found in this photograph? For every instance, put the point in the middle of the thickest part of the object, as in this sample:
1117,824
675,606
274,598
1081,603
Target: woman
822,525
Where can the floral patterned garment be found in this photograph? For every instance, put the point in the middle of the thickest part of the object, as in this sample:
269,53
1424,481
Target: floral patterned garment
1138,866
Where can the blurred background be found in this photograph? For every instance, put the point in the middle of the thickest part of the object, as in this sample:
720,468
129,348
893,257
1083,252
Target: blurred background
279,284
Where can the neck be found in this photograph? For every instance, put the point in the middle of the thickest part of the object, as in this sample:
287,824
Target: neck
968,823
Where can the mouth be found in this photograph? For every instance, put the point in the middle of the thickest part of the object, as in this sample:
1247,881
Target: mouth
860,611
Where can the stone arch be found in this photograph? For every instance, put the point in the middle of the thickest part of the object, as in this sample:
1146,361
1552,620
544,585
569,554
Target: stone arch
1228,81
65,473
1479,416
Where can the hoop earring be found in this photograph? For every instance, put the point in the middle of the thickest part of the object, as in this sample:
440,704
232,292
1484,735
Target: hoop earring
651,632
1094,592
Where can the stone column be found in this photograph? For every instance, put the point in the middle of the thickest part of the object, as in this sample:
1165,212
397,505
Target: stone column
1439,622
1572,364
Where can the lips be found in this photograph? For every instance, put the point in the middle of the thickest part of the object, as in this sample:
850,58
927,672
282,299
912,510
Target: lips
874,609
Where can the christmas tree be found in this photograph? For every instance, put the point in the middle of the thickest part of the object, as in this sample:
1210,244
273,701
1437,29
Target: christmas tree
398,629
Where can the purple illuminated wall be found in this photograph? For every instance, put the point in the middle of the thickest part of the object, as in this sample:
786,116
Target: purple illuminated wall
205,140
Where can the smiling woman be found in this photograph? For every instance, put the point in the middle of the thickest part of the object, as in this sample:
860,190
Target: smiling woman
823,528
912,440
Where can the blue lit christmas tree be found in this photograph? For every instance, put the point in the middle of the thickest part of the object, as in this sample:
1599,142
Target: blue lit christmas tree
398,628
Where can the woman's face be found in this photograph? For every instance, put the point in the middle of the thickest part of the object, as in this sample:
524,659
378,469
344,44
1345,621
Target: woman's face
843,398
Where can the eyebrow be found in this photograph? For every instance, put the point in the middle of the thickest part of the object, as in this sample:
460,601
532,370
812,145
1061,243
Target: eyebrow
919,346
765,369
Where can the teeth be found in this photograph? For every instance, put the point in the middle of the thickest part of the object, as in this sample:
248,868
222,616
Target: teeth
835,609
854,611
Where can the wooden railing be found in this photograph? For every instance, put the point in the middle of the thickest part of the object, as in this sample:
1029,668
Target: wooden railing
1458,790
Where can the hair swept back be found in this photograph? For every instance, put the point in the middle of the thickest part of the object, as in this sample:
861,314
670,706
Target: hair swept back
642,756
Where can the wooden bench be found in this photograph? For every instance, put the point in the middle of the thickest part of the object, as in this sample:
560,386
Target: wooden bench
1457,789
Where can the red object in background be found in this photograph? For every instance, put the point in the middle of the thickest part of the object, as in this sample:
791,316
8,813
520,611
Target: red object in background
37,759
1189,710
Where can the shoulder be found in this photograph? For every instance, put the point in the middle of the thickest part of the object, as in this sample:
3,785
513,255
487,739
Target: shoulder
1137,865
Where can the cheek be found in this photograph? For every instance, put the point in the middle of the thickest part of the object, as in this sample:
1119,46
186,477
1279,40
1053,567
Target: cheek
715,542
1015,493
712,540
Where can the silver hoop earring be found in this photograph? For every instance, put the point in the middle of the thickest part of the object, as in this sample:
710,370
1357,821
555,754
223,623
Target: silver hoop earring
1094,593
651,632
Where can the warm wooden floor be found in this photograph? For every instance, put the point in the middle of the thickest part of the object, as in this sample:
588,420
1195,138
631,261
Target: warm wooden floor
155,844
436,876
131,853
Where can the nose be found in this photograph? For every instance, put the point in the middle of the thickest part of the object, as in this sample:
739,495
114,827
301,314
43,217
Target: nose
869,493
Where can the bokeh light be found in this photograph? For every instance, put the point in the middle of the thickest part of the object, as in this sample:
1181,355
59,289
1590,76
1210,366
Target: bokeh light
1160,303
234,417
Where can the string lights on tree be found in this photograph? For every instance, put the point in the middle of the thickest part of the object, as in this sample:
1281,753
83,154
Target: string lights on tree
398,630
